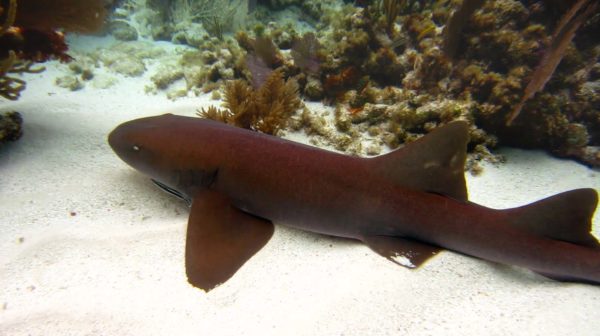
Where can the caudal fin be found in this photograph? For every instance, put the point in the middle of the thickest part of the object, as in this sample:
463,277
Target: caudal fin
566,216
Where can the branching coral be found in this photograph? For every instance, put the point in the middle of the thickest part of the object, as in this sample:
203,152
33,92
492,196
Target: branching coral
11,87
265,110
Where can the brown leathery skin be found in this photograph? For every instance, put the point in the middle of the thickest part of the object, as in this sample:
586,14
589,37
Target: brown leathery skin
330,193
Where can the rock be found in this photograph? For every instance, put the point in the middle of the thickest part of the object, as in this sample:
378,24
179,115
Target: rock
10,126
123,31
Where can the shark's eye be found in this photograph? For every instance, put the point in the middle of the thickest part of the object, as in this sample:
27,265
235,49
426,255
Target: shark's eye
136,148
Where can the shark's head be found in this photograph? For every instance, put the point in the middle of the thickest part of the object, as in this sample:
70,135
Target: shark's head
160,147
137,143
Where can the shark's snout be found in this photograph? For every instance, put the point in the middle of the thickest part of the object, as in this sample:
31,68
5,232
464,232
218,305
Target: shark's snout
123,141
114,138
135,141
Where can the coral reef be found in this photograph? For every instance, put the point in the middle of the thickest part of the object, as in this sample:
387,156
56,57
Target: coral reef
203,69
514,38
561,39
123,31
393,70
128,58
121,59
383,45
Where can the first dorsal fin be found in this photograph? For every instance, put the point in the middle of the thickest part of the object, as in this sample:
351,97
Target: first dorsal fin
433,163
566,216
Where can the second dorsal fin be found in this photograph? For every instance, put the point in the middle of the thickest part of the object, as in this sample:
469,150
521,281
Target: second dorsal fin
566,216
433,163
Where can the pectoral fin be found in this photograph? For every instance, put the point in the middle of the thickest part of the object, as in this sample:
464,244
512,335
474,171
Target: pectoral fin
220,239
404,252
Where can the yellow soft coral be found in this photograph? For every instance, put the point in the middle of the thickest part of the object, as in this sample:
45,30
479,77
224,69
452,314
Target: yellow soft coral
265,110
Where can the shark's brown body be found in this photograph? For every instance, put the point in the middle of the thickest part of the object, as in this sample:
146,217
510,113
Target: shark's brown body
405,205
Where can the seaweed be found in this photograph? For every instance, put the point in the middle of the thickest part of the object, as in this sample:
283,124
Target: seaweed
265,110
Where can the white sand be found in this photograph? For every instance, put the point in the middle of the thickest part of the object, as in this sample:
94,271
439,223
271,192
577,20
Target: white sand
90,247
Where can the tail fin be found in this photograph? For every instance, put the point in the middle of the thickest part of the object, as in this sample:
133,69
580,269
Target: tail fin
566,216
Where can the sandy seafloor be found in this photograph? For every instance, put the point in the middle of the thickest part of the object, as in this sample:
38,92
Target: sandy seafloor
90,247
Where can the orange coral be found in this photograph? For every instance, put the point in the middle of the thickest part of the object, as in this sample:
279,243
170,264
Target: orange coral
338,82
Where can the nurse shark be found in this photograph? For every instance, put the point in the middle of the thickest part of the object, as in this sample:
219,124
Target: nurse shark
405,205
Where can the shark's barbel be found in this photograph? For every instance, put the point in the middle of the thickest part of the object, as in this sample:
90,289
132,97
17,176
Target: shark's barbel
405,205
